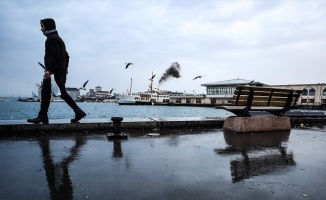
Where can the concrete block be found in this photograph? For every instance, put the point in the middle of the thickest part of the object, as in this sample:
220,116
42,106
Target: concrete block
257,123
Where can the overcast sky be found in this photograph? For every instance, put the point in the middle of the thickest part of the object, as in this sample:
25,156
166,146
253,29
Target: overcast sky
270,41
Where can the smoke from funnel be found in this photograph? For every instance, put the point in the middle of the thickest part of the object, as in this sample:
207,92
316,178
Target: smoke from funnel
172,71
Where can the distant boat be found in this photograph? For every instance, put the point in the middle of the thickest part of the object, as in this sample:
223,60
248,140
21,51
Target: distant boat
151,97
118,96
109,101
30,99
128,100
145,98
57,100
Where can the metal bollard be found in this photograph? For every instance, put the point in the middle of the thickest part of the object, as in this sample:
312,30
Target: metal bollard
116,124
117,129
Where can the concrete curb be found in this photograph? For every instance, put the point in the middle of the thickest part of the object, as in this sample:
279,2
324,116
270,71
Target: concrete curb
64,125
21,126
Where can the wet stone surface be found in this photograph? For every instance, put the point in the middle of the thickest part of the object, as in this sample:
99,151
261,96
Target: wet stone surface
191,164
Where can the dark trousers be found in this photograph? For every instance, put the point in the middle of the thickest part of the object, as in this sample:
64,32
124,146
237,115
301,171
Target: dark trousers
60,79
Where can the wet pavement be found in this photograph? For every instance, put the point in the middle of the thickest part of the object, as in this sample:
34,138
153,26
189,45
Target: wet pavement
174,164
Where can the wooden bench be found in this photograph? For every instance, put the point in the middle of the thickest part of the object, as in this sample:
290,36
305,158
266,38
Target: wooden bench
273,100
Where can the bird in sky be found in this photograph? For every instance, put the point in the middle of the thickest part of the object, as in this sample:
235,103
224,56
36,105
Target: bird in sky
84,85
111,91
250,82
198,77
128,64
152,77
41,65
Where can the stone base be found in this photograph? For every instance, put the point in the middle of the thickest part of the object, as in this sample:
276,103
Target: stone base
257,124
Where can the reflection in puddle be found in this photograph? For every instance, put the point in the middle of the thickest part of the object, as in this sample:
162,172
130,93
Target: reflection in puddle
117,149
57,173
261,153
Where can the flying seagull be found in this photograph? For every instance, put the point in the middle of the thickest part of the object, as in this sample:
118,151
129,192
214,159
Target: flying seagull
111,91
198,77
83,88
42,65
251,82
152,77
127,64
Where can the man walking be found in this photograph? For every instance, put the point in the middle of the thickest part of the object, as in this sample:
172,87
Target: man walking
56,61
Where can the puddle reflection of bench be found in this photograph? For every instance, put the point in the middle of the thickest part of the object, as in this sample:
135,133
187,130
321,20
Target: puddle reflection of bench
260,154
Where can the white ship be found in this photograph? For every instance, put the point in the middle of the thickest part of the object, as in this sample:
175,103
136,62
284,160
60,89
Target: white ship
150,97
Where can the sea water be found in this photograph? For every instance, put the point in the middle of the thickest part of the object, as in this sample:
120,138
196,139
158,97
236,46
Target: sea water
15,110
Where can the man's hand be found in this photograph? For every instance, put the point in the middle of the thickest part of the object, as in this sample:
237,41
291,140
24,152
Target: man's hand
47,74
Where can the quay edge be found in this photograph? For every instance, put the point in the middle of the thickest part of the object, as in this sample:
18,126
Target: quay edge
87,125
129,124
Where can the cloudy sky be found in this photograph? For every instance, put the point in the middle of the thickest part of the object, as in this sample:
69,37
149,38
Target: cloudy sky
270,41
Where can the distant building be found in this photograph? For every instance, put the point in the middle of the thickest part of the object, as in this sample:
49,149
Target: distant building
74,93
217,93
221,93
313,95
98,93
102,94
98,89
91,93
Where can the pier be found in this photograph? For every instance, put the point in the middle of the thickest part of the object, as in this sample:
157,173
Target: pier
132,124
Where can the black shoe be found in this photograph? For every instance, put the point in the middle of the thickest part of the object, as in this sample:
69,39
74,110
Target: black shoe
78,115
39,119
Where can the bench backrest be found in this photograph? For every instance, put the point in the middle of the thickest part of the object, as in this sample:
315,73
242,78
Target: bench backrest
265,96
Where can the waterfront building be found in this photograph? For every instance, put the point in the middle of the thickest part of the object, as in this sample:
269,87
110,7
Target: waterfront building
98,89
98,94
221,93
312,96
102,94
217,93
74,93
187,99
91,93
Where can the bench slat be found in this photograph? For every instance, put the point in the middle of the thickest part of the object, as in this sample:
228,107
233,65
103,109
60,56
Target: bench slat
266,93
262,93
262,103
262,98
263,88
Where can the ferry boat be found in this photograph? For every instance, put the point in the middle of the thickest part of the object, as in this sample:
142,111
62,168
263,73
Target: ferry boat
144,98
150,97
